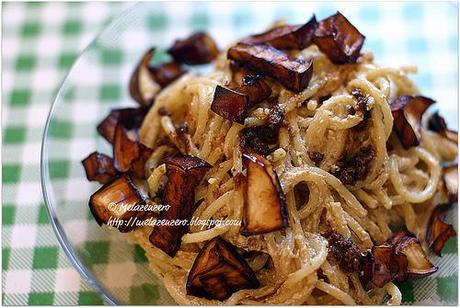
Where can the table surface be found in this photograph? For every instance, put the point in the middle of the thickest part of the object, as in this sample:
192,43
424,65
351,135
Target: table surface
40,42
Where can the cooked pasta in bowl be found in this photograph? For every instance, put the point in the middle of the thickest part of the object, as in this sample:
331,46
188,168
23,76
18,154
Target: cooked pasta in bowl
296,172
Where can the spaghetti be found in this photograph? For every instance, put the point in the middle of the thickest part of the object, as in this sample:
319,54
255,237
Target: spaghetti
399,181
346,168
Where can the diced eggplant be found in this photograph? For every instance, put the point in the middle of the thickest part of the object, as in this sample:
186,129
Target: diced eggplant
439,232
166,73
230,104
130,118
125,149
184,173
407,113
418,264
107,127
247,82
286,37
450,177
255,88
142,87
400,258
366,271
260,139
138,165
99,167
193,166
233,103
378,267
267,60
438,124
113,203
198,48
338,39
264,207
146,81
129,154
219,271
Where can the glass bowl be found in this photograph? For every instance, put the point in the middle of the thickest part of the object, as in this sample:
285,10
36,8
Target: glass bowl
98,82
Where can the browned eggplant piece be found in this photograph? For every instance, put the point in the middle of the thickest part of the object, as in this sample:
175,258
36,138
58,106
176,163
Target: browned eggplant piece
255,88
438,231
125,149
266,60
418,264
438,124
230,104
184,173
166,73
450,177
198,48
233,103
247,82
99,167
129,153
366,273
112,204
107,127
219,271
138,165
264,207
259,139
142,87
338,39
130,118
407,113
146,81
379,266
401,258
286,37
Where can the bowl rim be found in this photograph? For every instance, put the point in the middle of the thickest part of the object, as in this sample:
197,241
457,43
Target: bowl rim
46,188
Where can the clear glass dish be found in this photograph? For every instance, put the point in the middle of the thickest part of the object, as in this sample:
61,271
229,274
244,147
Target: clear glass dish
98,82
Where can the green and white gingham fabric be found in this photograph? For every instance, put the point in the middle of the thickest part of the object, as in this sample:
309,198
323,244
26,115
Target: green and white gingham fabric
42,40
39,43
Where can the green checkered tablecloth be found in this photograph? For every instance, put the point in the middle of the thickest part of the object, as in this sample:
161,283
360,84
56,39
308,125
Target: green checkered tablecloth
42,40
